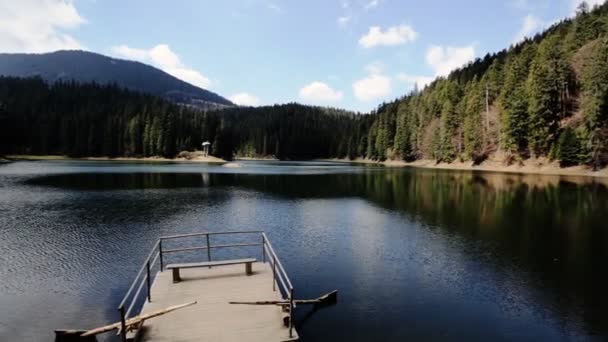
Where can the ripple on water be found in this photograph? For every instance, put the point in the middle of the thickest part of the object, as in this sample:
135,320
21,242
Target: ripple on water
415,255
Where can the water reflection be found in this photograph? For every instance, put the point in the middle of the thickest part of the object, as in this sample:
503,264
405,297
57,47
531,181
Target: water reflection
428,254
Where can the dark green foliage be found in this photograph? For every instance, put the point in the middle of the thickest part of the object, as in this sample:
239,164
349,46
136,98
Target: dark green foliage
513,101
568,148
516,101
548,82
87,67
473,105
93,120
594,102
514,98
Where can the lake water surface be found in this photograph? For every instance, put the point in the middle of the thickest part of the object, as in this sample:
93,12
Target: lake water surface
415,254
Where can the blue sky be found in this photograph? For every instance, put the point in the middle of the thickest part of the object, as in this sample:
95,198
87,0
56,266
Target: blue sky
352,54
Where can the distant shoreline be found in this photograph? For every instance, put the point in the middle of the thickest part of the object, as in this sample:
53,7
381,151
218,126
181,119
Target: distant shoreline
257,158
198,159
530,166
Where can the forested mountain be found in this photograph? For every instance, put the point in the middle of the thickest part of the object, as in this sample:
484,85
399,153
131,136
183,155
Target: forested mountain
87,67
105,120
544,97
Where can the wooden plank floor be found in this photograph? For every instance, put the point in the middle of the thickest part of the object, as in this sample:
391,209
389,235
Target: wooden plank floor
212,318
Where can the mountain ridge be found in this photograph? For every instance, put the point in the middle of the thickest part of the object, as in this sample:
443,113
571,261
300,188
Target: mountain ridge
85,67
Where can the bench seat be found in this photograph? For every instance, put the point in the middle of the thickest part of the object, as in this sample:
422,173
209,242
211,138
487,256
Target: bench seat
176,267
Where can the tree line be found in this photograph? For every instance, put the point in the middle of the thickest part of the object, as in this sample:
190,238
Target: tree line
78,120
546,96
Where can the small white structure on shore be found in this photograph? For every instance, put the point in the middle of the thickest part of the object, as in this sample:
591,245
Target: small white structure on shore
206,145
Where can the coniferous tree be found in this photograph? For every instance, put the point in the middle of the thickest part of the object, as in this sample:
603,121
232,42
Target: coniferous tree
547,81
568,148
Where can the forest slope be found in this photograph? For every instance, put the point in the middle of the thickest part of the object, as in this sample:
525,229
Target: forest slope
88,67
545,98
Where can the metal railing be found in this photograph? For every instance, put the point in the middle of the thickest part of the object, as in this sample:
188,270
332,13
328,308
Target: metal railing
284,282
142,278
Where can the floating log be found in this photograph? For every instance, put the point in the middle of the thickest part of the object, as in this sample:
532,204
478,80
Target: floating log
135,320
70,335
328,298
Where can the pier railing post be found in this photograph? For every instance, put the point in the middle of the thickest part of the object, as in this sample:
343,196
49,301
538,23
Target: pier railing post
291,312
160,253
263,249
208,249
123,325
274,274
148,280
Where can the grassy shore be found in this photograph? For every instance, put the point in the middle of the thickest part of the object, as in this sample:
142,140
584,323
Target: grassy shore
540,166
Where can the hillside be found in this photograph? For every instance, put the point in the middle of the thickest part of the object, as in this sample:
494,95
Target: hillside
93,120
86,67
545,98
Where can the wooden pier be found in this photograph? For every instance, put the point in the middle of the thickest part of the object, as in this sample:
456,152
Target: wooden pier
212,284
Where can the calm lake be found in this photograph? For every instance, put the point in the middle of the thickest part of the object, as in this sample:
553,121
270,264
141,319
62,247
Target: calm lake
415,254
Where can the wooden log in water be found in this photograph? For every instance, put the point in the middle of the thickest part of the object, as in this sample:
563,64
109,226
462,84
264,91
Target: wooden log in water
71,335
135,320
328,298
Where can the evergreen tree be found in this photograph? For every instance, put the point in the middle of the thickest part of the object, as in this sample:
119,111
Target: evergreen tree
568,148
547,82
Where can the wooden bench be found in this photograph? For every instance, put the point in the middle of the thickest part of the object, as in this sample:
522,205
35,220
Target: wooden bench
176,267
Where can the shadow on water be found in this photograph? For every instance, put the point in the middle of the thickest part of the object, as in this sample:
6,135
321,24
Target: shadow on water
548,233
550,226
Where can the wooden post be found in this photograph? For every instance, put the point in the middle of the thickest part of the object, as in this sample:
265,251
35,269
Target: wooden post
263,249
148,280
248,270
208,249
123,325
291,312
176,277
274,275
135,322
160,253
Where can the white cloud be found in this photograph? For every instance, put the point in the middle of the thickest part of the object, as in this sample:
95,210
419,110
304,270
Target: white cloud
317,92
245,99
442,60
395,35
420,81
373,87
165,59
38,25
529,27
372,4
445,59
342,21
